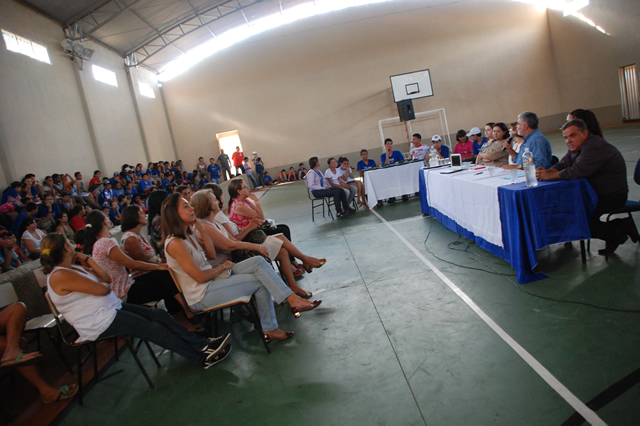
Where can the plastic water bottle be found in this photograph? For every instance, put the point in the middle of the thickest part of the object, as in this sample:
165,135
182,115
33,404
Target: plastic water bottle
433,157
529,168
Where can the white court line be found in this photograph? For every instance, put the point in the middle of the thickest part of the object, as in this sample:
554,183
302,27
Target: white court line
546,375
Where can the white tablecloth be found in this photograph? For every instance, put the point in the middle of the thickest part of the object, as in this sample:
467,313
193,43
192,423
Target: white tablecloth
470,199
393,181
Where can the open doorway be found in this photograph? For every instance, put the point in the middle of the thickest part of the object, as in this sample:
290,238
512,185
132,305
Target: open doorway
228,141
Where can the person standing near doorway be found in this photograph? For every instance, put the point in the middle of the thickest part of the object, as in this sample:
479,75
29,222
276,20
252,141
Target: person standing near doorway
237,158
223,159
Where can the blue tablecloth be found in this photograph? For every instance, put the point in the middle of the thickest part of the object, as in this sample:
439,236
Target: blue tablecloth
531,218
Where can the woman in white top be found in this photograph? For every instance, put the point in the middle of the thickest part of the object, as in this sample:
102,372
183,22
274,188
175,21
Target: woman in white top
333,174
197,278
514,143
31,238
347,177
80,290
207,207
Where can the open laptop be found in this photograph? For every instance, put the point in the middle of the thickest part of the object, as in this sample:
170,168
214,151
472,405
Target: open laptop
456,164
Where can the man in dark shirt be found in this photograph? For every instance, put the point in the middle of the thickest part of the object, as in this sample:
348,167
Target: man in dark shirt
593,158
223,159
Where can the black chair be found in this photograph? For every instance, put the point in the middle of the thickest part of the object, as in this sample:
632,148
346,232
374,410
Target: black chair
318,203
93,351
629,207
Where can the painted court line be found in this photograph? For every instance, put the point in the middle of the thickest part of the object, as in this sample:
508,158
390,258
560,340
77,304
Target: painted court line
588,414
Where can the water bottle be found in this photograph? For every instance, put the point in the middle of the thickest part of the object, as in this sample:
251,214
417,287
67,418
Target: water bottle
529,168
433,157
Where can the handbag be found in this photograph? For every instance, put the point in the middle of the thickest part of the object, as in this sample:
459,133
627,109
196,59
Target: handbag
255,236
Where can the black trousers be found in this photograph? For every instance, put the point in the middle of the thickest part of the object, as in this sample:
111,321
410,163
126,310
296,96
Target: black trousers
615,230
152,286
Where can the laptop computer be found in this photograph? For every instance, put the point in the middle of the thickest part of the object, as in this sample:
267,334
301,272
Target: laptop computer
456,164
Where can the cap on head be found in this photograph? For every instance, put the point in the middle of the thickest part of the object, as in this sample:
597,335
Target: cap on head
436,138
474,131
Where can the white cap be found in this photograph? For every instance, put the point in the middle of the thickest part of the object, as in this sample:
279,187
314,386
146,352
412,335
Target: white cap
474,131
436,138
254,152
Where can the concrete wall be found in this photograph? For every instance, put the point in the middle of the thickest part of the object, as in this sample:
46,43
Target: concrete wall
320,86
43,128
55,118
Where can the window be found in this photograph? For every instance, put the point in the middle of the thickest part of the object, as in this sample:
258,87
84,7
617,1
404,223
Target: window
18,44
146,90
104,75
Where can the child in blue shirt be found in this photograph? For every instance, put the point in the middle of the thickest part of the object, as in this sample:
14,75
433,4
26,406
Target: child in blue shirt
214,171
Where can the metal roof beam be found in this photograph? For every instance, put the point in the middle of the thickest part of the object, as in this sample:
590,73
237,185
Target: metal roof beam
113,16
192,28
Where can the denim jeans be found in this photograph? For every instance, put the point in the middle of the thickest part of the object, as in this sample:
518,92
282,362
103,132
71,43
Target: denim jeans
158,327
253,180
260,176
215,180
252,276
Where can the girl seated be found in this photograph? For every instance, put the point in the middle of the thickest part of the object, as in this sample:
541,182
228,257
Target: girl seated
149,280
347,177
282,176
197,278
291,176
79,287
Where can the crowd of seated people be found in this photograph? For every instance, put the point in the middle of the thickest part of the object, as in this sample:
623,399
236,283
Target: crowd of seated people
101,286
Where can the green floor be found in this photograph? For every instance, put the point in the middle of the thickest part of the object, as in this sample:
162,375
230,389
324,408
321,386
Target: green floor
393,344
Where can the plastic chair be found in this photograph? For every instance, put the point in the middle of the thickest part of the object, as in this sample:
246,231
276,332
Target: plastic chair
320,202
93,350
44,323
241,301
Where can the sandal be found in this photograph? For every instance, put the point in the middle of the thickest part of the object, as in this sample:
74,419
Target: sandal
66,392
267,339
310,268
23,359
305,295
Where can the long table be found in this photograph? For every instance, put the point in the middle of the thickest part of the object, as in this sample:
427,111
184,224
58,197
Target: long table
394,181
509,219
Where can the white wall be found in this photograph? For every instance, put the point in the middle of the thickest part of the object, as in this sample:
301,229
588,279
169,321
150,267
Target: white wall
320,86
42,123
54,118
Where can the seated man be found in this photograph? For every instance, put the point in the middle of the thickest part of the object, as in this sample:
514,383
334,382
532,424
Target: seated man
320,188
442,150
145,187
9,259
390,156
537,143
365,163
418,151
593,158
302,171
282,176
291,175
267,180
107,194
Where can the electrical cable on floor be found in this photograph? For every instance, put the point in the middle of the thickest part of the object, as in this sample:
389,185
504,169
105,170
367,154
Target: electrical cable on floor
518,286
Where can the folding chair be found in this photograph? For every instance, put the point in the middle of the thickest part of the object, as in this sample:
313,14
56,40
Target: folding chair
93,350
44,323
241,301
320,202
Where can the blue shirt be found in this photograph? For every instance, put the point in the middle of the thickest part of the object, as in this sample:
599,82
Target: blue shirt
477,146
142,186
267,180
4,252
362,166
18,221
214,171
43,211
539,147
10,193
444,150
396,157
